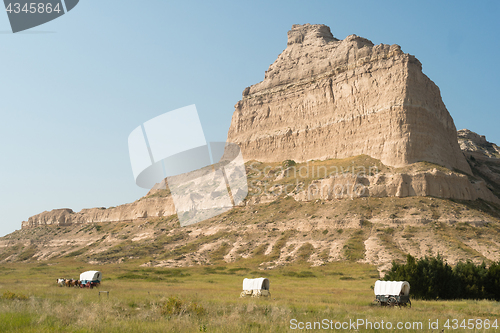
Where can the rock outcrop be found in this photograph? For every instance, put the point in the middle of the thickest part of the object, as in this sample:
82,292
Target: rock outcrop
433,183
328,98
325,98
483,157
476,145
143,208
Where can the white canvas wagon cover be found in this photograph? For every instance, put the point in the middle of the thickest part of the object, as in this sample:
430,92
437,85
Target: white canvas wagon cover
393,288
91,276
256,284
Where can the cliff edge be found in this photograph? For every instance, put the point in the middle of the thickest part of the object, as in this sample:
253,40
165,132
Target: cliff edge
327,98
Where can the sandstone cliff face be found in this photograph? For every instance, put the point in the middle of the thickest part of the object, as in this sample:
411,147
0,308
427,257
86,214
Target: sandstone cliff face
483,157
328,98
144,208
433,183
476,145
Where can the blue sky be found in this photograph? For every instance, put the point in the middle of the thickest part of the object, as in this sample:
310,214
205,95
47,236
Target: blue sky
72,90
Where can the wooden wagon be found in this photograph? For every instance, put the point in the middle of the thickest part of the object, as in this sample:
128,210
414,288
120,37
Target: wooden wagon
90,279
255,288
391,293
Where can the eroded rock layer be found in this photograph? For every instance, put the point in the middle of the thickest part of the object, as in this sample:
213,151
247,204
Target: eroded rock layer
432,183
328,98
143,208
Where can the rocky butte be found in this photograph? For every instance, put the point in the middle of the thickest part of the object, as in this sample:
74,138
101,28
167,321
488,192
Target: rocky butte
324,103
328,98
325,98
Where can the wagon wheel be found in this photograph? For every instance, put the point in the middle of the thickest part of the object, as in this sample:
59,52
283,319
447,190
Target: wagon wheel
391,301
243,294
377,302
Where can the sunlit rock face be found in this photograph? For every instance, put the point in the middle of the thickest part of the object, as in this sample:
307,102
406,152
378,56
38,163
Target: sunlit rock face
328,98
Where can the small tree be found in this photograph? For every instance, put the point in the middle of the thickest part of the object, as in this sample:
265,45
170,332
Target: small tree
288,163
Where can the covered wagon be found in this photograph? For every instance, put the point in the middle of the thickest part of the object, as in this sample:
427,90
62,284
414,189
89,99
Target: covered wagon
392,293
255,287
90,279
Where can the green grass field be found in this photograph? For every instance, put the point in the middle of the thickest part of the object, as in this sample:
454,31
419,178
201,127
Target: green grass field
206,299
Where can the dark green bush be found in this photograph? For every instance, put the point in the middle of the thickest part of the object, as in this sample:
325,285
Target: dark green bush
288,163
432,278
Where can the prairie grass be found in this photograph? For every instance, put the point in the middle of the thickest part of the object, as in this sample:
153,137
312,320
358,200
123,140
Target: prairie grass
204,299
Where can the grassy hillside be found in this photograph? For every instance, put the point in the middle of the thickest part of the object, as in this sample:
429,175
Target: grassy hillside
275,230
276,234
